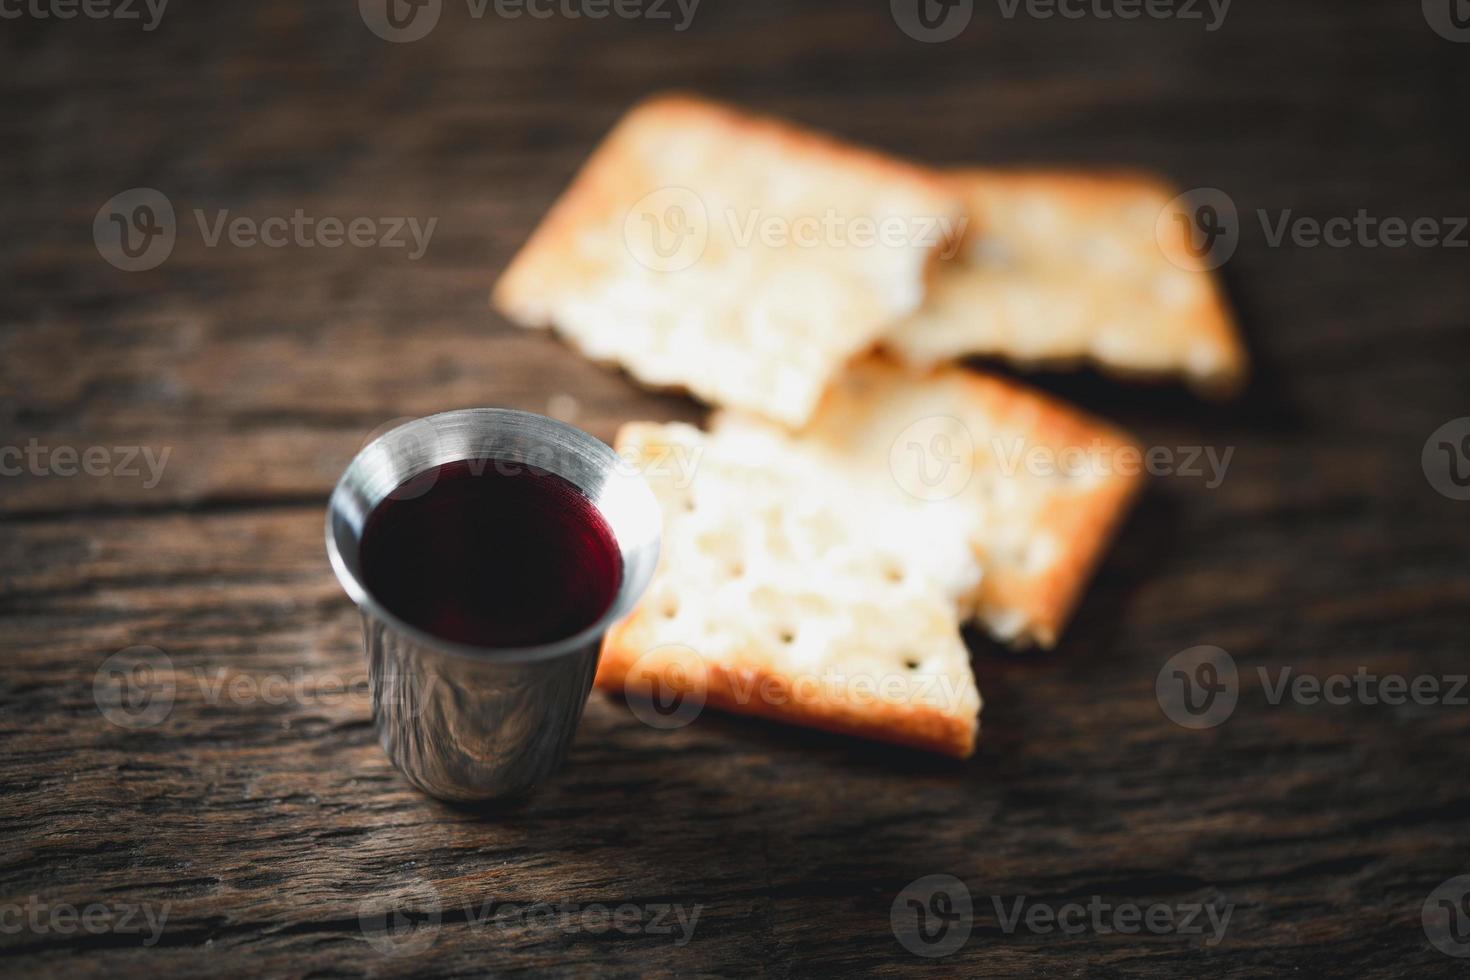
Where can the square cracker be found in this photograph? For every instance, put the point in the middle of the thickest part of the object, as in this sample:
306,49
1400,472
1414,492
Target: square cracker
770,599
1035,487
740,258
1059,267
822,577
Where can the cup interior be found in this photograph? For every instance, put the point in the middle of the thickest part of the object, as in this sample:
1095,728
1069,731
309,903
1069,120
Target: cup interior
391,463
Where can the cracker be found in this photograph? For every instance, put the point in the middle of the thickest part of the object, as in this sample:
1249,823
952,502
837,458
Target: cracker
771,599
739,258
1034,486
1061,267
803,572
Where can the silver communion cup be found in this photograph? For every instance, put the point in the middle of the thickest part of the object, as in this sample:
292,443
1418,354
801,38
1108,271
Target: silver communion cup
468,723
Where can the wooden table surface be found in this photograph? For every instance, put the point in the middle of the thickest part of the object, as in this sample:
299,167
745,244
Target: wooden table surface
259,826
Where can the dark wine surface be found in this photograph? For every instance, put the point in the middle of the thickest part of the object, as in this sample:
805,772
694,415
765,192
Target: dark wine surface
492,554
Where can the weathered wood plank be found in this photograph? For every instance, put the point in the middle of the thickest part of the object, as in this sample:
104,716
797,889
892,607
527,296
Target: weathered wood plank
261,811
268,769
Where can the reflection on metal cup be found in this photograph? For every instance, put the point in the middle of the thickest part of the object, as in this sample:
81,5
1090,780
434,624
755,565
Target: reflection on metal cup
463,722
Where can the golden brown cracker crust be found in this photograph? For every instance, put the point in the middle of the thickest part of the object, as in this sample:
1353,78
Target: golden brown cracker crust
606,182
1083,521
811,146
727,687
747,686
1083,189
1092,197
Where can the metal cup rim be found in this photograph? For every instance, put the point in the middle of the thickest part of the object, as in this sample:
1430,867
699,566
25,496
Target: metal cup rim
623,499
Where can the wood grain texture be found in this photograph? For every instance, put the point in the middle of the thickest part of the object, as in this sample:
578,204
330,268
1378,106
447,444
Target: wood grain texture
267,824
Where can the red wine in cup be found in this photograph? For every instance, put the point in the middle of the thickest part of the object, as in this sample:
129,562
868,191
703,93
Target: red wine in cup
491,553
